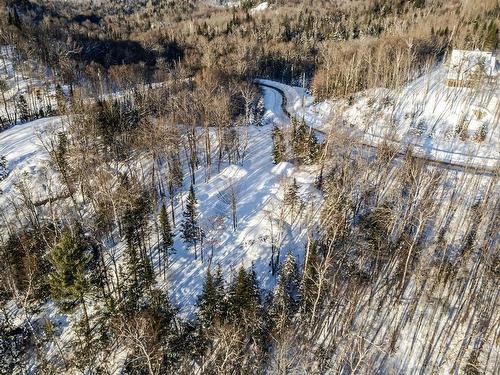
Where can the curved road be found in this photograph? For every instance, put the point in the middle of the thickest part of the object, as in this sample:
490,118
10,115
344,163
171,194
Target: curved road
448,165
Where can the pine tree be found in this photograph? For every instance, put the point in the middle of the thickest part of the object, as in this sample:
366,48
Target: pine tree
308,289
287,294
292,194
220,290
313,149
70,259
22,108
166,235
304,143
191,232
244,298
254,287
212,299
134,223
278,146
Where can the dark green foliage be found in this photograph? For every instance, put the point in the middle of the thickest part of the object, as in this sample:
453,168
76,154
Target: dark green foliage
22,108
25,266
292,197
152,327
114,120
134,222
278,146
212,301
244,295
286,298
191,232
60,153
70,259
308,288
14,343
305,146
166,234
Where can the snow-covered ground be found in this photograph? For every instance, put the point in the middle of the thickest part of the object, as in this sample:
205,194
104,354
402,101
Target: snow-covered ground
259,185
259,8
27,78
263,220
441,123
27,159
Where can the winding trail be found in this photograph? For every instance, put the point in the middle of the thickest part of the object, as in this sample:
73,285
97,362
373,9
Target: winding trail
472,169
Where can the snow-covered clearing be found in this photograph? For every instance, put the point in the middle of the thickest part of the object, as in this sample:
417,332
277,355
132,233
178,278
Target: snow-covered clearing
262,219
27,159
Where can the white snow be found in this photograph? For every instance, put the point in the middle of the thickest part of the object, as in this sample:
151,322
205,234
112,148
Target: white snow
259,8
465,64
425,115
259,187
26,157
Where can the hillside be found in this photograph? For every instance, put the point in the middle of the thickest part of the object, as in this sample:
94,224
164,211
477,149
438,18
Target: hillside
281,187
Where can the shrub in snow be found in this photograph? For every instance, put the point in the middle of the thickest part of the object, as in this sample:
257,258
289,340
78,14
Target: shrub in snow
3,169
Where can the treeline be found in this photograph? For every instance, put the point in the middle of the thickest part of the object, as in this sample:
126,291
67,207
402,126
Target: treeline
285,42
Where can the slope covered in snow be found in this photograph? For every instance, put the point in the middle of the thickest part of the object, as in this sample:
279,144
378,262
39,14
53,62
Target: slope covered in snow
27,159
455,125
263,220
28,79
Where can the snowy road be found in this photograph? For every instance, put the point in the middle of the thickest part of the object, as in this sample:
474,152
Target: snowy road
295,101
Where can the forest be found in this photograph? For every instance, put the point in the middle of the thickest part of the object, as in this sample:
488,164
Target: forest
218,187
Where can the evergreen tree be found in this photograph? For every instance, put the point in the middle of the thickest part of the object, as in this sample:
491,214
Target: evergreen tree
244,297
22,108
220,289
134,220
70,259
292,194
166,235
278,146
254,287
313,149
191,232
287,294
304,143
212,299
308,290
